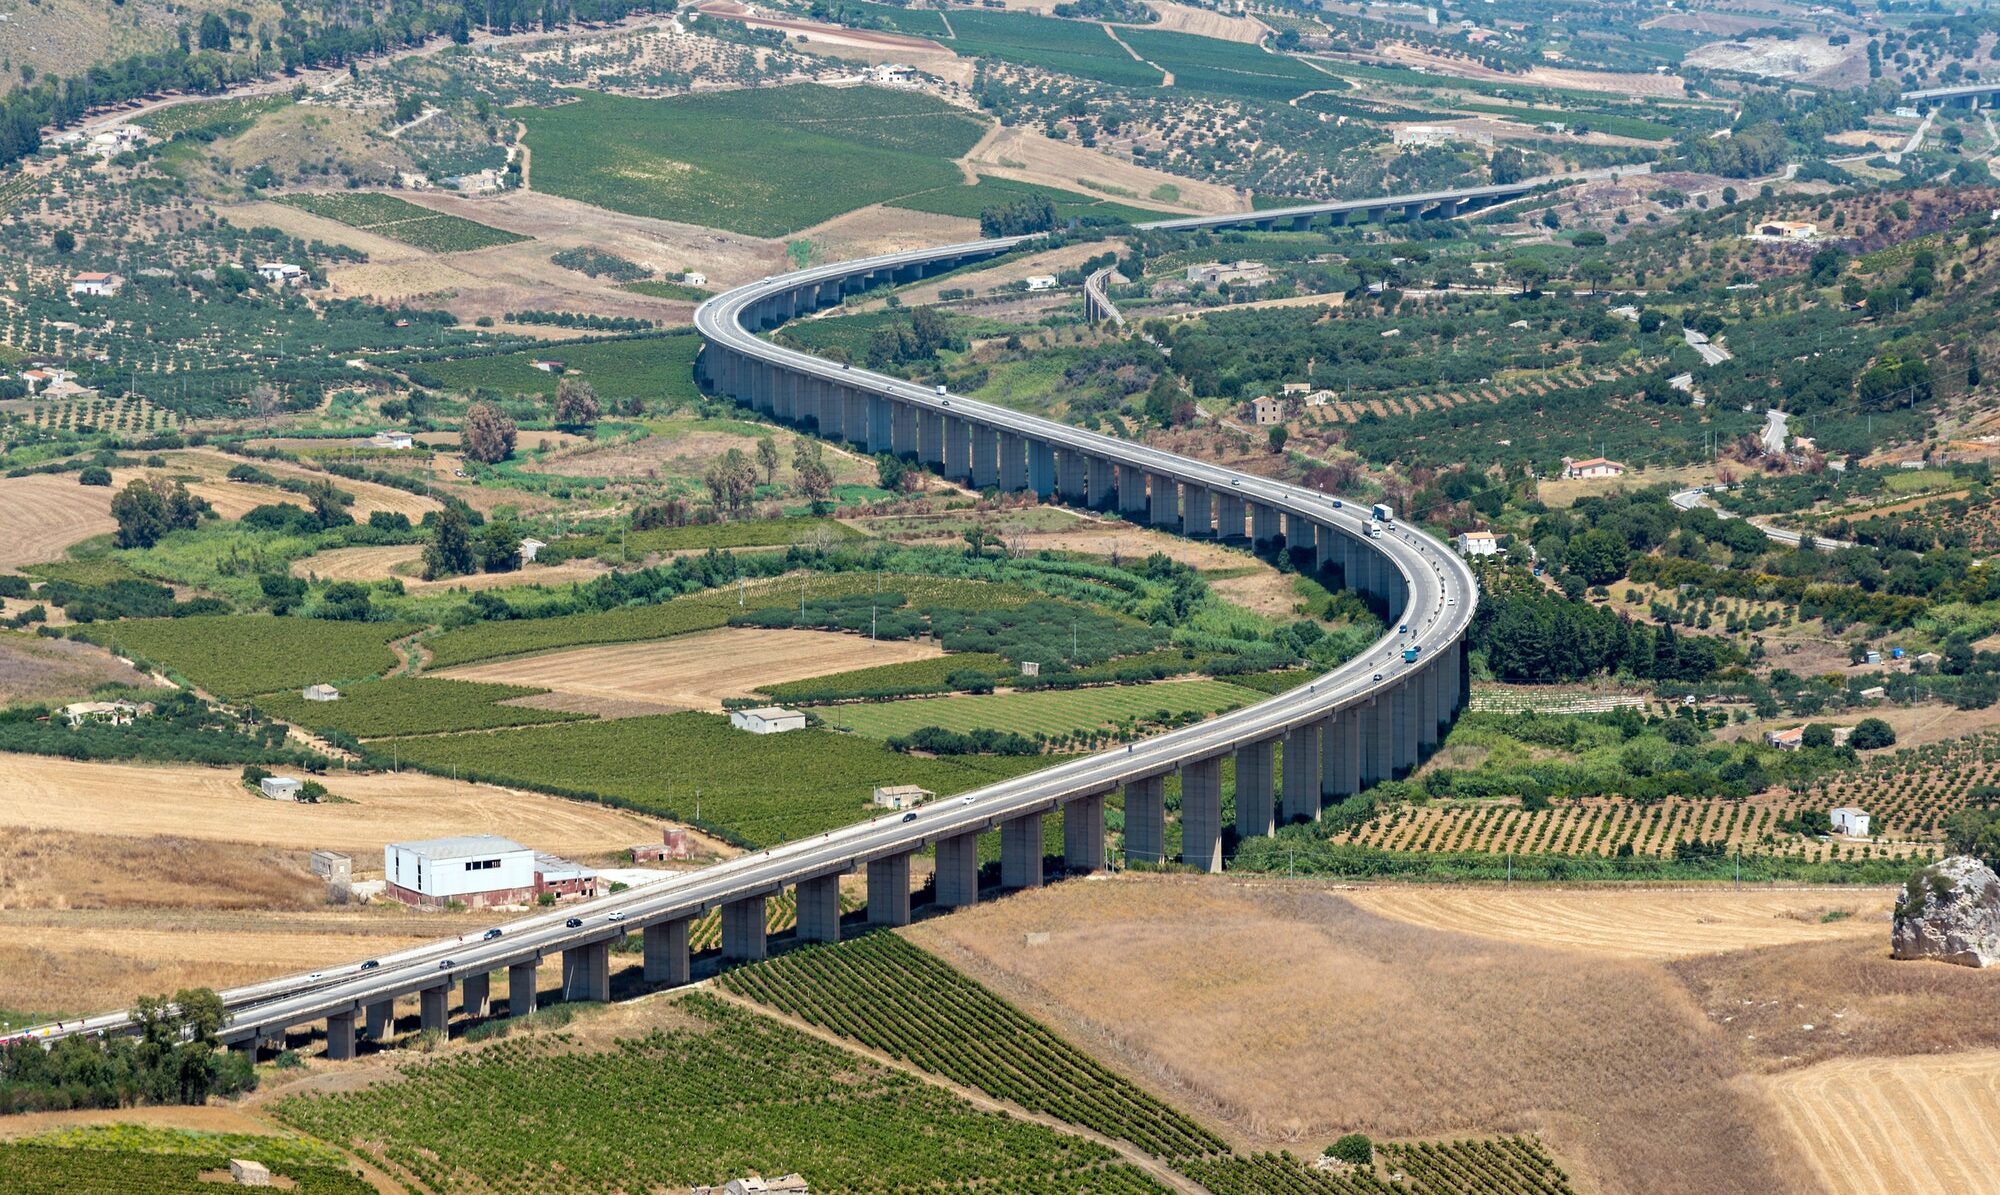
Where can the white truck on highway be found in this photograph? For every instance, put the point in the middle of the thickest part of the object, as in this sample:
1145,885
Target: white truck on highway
1384,513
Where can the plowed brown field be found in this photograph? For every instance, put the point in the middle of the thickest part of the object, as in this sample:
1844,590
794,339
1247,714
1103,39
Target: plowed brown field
40,517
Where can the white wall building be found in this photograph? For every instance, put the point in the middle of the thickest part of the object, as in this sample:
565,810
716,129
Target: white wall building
1849,821
901,796
1041,282
281,788
477,870
320,693
1478,543
767,719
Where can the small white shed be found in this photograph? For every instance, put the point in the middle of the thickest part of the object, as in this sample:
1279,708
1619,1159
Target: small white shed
767,719
320,693
281,788
1849,821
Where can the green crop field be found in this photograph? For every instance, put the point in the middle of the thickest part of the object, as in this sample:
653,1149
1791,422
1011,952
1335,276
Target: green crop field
237,655
886,678
753,789
766,161
1226,68
862,14
656,368
741,533
275,1151
892,996
414,705
627,624
401,220
968,200
48,1170
1058,712
1079,48
723,1093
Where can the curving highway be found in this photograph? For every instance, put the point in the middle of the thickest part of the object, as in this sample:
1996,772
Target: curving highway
1370,718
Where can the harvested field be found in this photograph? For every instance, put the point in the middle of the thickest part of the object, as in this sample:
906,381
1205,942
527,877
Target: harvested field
50,869
38,792
690,671
1636,924
36,669
41,516
1626,84
1204,22
1897,1126
1265,589
406,562
1021,153
1287,1014
878,229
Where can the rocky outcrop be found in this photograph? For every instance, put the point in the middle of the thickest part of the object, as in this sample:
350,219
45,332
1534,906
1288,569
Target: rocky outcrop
1950,911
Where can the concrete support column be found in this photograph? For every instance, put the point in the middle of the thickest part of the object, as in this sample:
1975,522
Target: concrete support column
1021,851
587,972
1264,525
380,1019
830,408
1302,774
1201,814
1340,755
958,871
1146,821
1378,756
1132,492
475,996
1072,477
819,909
1101,484
903,429
1042,469
1163,501
855,420
930,439
523,980
882,423
435,1007
1083,834
1253,790
1404,737
1013,463
1197,511
957,450
1426,684
340,1036
985,457
1328,554
1228,517
667,956
889,891
743,930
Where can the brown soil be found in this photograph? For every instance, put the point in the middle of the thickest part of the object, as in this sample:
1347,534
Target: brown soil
1897,1126
1610,82
1204,22
39,792
1290,1015
50,869
1051,163
41,516
36,669
695,671
867,231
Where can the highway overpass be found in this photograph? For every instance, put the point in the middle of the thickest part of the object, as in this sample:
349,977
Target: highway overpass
1371,718
1966,94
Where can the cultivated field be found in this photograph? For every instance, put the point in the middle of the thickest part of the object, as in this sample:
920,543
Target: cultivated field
1624,923
1897,1126
1025,154
1290,1015
1059,712
40,517
401,220
39,792
693,671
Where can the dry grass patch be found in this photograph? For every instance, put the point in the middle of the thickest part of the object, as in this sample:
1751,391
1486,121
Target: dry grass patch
1637,924
44,793
36,669
41,516
1290,1015
1897,1126
49,869
1023,154
690,671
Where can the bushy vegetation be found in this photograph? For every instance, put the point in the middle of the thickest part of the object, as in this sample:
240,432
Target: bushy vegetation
414,705
181,729
174,1058
242,654
27,1168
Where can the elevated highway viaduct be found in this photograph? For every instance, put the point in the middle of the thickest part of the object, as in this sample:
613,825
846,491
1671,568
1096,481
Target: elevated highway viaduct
1371,718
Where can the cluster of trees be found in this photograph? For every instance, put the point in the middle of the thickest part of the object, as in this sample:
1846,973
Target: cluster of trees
148,509
920,339
455,550
936,740
1018,217
181,729
1529,634
175,1058
488,435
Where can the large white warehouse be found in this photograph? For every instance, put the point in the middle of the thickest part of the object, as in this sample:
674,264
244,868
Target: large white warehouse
477,870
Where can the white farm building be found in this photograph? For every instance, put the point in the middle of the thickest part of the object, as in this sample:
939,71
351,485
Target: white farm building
767,719
477,870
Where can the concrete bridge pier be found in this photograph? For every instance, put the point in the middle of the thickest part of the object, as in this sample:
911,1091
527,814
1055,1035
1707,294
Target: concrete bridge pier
1083,835
434,1007
1327,548
1100,483
587,972
475,995
819,908
1146,821
380,1019
743,938
1072,477
340,1036
882,423
888,891
958,871
903,430
1301,783
1163,501
1403,740
1132,492
1378,759
1228,517
1265,529
1021,851
523,983
1253,790
666,952
1426,698
1201,814
985,457
1340,755
957,450
930,440
854,420
1042,469
1013,463
1197,512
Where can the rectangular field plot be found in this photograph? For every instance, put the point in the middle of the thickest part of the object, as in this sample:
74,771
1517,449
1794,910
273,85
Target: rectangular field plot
401,220
415,705
1226,68
660,368
1052,713
764,162
1079,48
241,654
